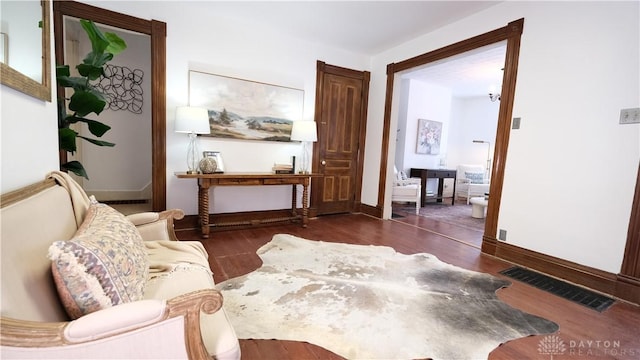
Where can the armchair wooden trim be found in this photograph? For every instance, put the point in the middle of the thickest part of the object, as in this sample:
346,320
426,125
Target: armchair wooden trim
31,334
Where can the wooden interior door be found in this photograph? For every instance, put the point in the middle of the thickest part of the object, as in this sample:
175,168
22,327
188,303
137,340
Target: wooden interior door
341,103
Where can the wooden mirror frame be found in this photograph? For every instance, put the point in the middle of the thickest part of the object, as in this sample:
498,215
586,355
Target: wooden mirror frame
17,80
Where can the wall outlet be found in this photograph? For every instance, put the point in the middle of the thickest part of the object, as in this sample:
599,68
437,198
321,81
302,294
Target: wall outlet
630,116
515,124
502,235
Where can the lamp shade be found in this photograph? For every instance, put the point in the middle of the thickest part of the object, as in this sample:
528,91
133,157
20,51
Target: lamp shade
304,131
192,120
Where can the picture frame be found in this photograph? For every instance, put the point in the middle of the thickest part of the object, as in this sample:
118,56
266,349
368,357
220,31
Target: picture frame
429,137
218,157
246,110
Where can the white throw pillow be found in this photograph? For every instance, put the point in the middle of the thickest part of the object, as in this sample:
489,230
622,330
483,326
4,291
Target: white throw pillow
474,177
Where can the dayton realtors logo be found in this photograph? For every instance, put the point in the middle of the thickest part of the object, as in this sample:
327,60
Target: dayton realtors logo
554,345
551,345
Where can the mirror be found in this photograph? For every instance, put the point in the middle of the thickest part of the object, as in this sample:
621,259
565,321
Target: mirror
25,62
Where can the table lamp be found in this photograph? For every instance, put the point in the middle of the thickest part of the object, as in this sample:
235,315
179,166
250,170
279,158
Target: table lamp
306,132
193,121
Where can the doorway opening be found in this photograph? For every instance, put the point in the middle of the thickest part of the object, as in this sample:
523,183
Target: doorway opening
156,31
128,112
453,93
511,34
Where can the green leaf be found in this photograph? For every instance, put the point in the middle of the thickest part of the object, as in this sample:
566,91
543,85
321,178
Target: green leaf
77,83
76,168
98,41
116,44
67,139
62,70
95,127
98,142
84,102
90,71
96,60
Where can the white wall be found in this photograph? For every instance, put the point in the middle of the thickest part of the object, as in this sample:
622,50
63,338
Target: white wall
131,156
212,43
474,118
29,132
571,168
429,102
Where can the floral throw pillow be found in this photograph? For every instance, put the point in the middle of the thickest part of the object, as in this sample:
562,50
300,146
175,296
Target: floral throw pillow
104,264
474,177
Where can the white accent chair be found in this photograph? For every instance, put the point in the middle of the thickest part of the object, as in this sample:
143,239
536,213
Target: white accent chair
471,181
406,189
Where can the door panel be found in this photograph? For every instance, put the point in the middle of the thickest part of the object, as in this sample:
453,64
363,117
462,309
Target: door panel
340,118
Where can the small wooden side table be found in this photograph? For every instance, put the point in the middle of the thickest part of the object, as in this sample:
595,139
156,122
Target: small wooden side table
205,181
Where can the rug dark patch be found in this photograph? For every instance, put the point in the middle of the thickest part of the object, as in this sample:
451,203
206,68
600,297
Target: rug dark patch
560,288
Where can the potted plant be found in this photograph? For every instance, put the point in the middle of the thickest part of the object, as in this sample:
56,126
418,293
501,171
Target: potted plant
86,98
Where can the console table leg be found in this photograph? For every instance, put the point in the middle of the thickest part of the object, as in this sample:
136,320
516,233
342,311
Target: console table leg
294,195
305,209
203,210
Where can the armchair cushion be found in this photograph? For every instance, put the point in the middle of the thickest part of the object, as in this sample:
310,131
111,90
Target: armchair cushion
474,177
104,264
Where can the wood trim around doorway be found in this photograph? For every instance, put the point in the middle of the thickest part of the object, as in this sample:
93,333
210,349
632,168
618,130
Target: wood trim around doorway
626,284
511,33
157,30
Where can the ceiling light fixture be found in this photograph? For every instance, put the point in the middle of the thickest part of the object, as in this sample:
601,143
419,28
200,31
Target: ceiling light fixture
493,94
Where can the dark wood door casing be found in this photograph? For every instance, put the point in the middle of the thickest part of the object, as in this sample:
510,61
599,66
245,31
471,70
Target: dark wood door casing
511,34
341,106
629,276
157,30
626,284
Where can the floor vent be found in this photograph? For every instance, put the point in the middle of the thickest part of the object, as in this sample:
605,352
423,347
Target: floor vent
560,288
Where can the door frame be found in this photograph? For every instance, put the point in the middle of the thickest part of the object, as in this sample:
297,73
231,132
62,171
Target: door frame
158,33
511,33
321,70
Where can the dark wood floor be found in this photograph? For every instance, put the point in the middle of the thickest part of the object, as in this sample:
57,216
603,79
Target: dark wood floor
586,334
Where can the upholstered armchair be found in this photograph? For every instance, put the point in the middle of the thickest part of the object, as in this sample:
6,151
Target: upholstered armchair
406,189
471,181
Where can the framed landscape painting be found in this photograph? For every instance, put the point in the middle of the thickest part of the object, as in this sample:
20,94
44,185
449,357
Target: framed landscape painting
246,110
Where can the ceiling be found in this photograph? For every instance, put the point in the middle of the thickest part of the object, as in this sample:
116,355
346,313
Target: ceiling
367,27
469,74
370,27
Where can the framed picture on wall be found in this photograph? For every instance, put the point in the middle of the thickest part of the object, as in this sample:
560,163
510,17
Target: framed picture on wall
429,137
246,110
218,157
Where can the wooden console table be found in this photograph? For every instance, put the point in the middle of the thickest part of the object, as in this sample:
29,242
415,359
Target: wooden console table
205,181
439,174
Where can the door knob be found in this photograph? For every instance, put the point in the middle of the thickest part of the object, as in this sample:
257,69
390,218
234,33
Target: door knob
324,162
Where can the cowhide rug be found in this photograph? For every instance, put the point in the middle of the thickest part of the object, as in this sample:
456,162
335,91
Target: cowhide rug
370,302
